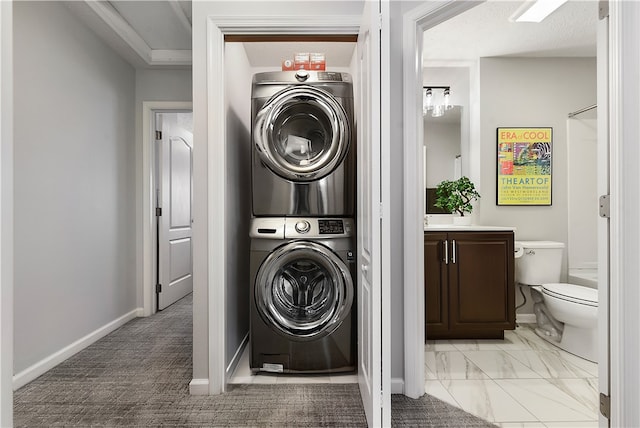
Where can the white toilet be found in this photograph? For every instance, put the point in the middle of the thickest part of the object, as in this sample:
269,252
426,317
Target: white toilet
566,314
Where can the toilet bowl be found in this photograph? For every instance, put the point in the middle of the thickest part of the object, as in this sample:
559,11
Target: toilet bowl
576,307
566,314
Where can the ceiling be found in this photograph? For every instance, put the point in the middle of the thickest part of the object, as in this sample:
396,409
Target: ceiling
146,33
161,24
157,34
486,31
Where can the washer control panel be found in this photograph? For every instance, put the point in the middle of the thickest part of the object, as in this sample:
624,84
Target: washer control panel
301,227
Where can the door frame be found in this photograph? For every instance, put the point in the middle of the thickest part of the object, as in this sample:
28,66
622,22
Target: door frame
217,28
624,233
415,22
149,108
603,230
623,122
6,213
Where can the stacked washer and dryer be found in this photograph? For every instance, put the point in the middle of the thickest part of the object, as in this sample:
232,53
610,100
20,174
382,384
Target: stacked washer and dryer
302,316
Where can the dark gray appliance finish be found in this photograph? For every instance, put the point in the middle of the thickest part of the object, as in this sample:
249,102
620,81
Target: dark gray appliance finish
303,144
302,313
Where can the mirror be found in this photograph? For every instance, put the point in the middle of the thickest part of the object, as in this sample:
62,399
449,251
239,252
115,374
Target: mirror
442,153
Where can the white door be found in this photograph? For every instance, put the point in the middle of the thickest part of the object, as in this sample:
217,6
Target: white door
603,223
175,279
373,309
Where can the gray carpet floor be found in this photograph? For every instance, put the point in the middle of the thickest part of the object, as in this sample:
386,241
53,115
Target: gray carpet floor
139,376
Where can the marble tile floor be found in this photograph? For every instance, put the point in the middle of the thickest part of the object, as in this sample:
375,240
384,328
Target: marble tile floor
243,375
521,381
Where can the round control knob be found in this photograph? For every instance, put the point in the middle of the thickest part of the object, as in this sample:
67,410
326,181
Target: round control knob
302,75
303,226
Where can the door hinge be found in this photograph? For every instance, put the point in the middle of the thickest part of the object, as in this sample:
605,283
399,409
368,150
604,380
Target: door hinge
603,9
381,210
158,212
605,206
379,21
605,405
158,288
158,135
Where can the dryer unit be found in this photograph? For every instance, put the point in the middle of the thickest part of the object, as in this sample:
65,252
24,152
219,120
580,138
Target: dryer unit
303,134
302,294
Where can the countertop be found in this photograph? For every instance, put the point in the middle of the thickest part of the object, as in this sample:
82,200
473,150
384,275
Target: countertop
471,228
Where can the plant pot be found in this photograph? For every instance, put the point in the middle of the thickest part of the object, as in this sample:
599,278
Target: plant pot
462,221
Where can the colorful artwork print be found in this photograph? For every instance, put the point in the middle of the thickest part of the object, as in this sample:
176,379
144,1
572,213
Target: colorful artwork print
524,166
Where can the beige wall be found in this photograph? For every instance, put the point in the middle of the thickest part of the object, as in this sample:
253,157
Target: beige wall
74,177
531,92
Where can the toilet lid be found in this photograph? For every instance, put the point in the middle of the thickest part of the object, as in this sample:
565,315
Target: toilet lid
573,293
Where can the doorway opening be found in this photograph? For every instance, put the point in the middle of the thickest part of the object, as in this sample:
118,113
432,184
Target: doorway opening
215,128
173,178
179,117
424,20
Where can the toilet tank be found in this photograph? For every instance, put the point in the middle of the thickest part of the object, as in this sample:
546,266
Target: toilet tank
538,262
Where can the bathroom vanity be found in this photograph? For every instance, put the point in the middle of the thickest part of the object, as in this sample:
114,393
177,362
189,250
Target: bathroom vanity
469,281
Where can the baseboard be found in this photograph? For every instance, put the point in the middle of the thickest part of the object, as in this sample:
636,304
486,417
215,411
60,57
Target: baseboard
526,318
199,387
46,364
397,385
236,358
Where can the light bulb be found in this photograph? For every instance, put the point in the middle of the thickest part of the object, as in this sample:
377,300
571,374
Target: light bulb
428,99
447,99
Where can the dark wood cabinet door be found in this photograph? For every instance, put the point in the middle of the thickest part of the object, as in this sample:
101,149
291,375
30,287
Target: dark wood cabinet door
481,281
436,284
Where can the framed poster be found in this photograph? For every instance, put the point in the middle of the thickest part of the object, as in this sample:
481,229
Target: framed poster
524,166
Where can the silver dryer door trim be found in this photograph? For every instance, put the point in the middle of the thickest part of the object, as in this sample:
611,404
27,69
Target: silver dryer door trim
302,133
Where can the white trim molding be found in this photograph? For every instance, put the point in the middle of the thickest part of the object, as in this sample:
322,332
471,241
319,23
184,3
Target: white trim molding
397,385
624,238
415,22
6,213
217,28
216,198
526,318
199,387
46,364
284,24
148,200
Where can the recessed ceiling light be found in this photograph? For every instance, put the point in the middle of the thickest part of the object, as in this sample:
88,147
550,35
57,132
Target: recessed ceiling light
536,10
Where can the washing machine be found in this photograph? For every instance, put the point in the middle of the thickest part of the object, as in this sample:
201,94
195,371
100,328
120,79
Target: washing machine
302,316
303,135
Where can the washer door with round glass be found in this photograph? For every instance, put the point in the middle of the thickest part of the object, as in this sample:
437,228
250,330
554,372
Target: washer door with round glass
303,290
302,133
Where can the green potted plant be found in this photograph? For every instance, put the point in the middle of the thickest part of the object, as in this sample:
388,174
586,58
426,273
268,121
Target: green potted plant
456,197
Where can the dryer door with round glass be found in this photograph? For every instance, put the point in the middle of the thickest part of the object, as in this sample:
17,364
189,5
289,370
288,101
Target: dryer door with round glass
303,290
302,133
